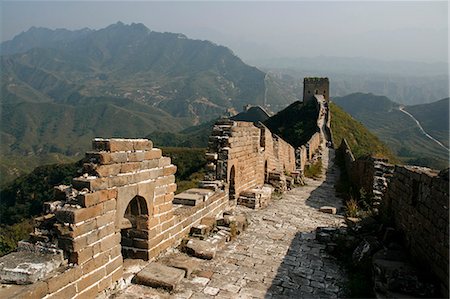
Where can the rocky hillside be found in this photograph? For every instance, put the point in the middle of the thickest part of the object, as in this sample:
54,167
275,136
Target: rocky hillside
61,88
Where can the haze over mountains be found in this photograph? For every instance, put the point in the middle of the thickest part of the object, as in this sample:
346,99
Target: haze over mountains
61,88
399,131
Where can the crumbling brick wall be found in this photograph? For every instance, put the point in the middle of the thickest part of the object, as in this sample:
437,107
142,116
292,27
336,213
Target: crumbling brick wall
418,199
120,208
240,153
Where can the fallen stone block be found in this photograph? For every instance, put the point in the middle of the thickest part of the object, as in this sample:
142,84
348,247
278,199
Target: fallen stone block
201,249
157,275
328,210
185,263
26,267
200,231
187,199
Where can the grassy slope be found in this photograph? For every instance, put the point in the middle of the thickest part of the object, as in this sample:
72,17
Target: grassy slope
360,139
396,129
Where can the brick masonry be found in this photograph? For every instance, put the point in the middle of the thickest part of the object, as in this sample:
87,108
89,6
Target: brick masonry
242,154
121,207
417,198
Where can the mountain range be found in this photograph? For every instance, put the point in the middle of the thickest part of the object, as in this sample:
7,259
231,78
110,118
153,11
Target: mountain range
60,88
399,131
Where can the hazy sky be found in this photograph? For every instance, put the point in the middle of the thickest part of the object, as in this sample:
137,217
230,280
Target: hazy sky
394,30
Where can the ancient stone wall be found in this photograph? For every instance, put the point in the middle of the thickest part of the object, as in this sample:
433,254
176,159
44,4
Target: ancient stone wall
313,145
242,155
313,86
418,199
120,208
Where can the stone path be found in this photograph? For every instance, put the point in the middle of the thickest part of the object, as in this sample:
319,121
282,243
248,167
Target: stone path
277,256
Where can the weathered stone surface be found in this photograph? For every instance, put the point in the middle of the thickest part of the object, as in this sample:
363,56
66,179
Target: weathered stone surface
206,193
183,262
188,199
201,249
159,276
27,267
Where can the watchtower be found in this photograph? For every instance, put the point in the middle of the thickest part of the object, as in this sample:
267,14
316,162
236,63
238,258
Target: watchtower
315,85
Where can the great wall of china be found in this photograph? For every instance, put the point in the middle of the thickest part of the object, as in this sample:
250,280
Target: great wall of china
124,207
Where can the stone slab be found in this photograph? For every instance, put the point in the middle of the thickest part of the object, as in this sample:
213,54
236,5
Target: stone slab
328,210
157,275
27,267
187,199
206,193
185,263
201,249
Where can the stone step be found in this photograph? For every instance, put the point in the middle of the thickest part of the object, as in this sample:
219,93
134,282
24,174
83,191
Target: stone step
188,199
201,249
157,275
185,263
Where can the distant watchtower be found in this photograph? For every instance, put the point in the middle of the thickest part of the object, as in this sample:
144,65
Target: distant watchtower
313,86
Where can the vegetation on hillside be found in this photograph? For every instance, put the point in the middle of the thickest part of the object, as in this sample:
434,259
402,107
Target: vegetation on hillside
382,116
434,118
296,123
360,139
23,198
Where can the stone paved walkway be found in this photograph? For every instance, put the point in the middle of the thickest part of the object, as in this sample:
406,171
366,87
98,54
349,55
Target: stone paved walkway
277,256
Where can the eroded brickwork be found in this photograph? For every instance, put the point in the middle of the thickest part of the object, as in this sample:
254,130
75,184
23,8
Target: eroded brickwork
243,155
418,199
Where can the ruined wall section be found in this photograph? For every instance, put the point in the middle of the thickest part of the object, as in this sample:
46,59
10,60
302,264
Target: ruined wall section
313,145
121,207
418,199
238,152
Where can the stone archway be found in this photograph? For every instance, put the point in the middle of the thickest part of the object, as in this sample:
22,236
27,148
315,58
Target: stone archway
134,229
232,182
266,173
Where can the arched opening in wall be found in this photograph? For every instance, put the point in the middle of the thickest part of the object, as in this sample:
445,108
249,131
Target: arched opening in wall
317,91
134,230
266,173
232,189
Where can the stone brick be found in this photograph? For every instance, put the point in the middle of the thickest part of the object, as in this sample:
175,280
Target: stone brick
163,208
130,167
142,144
120,145
105,219
114,265
164,161
109,205
107,170
83,228
109,242
90,279
136,156
68,292
84,214
117,274
169,170
172,188
87,293
146,189
104,283
155,153
90,183
80,257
